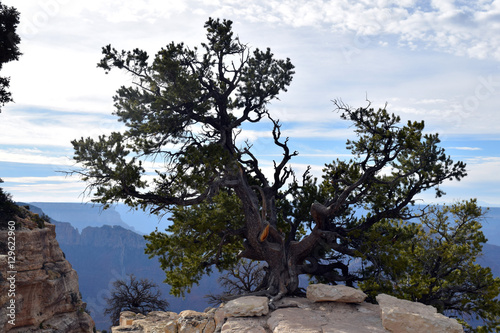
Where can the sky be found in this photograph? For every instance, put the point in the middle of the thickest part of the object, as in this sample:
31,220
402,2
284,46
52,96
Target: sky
437,61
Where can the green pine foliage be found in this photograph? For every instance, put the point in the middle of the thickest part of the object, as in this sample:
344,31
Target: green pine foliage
434,262
201,236
9,41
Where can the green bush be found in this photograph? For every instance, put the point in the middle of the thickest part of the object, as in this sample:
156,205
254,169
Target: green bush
8,209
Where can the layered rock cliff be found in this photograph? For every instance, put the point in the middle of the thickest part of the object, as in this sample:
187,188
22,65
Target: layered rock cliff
38,287
104,254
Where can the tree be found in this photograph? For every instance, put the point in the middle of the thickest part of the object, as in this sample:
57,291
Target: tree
9,40
245,278
138,296
186,110
434,262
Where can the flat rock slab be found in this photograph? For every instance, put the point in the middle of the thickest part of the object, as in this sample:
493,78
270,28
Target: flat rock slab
248,306
402,316
326,293
327,318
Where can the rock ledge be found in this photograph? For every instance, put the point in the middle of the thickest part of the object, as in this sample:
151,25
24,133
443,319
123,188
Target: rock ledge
327,309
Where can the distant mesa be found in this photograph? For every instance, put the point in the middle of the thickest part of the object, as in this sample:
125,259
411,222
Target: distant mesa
82,215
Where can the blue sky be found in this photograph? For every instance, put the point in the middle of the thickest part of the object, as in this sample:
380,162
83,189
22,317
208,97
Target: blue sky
437,61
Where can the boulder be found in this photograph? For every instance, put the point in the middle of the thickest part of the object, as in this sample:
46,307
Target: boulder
339,293
127,317
195,322
219,317
248,306
158,321
169,322
401,316
301,315
327,317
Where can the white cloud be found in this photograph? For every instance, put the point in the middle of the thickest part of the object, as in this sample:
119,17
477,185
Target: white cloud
60,192
327,133
252,136
428,60
33,156
480,182
46,189
38,127
466,148
446,26
64,51
37,180
483,169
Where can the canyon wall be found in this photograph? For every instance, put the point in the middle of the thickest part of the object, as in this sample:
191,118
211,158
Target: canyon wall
39,289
